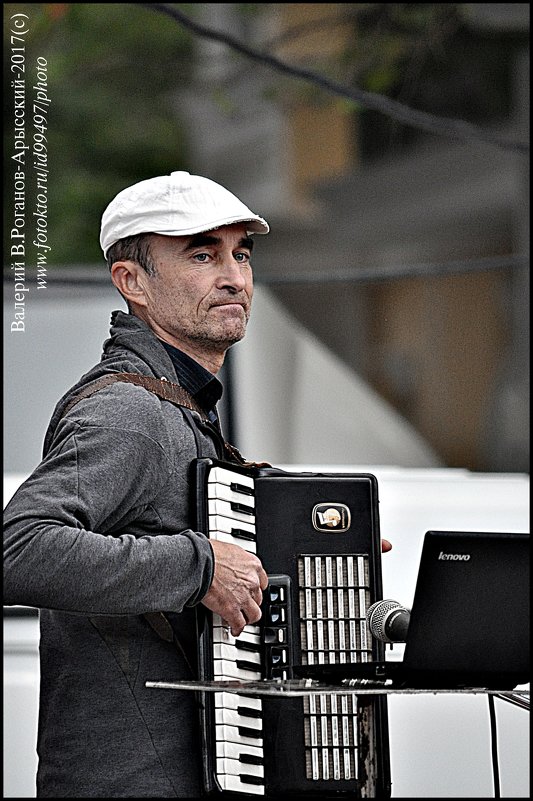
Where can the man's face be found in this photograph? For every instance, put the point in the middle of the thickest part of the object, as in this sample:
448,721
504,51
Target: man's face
200,297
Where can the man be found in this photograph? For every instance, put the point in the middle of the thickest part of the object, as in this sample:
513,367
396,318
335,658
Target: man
99,536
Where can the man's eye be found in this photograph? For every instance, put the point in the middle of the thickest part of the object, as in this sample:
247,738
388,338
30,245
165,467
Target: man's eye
202,257
242,257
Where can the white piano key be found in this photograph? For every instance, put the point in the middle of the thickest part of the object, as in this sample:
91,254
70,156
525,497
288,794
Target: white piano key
231,717
234,767
230,652
235,734
250,634
234,701
228,750
226,671
246,545
224,525
235,785
226,493
218,507
223,476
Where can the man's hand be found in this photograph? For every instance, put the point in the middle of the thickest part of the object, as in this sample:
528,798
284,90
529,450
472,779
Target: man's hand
236,590
239,579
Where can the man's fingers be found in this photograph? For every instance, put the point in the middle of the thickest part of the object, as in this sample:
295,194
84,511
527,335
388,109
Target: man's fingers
242,617
263,579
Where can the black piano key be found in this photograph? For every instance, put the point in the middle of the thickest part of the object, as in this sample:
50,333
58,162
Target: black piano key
244,490
246,712
245,732
251,759
244,645
242,508
242,664
241,534
245,779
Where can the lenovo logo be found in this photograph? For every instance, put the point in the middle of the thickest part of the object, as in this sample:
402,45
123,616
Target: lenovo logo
454,557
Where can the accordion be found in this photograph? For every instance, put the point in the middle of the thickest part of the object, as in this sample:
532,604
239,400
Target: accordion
317,535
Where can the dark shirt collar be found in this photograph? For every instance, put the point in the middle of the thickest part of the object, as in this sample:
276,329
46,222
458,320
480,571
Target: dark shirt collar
203,385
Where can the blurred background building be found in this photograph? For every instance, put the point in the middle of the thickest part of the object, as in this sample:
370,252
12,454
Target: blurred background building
401,251
431,232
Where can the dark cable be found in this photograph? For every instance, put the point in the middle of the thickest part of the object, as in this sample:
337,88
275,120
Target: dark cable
494,746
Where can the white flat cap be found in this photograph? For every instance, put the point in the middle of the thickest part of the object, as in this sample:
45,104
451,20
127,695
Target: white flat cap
179,204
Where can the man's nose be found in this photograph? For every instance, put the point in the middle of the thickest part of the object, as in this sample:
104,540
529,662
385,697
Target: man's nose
232,274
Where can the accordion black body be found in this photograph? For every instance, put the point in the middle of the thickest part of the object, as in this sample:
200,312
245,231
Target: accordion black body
317,535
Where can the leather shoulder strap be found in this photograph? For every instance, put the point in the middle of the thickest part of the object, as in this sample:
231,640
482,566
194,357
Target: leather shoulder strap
164,389
167,390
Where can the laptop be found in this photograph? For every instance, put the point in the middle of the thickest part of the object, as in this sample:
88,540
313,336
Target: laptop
469,622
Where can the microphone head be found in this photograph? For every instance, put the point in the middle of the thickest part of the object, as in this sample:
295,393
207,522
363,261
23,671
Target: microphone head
379,616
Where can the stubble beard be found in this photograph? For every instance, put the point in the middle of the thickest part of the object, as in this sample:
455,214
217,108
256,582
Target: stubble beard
219,338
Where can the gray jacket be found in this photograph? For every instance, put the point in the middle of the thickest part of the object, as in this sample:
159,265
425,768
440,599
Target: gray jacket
97,536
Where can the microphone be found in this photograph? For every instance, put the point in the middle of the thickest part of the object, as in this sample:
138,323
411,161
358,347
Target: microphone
388,621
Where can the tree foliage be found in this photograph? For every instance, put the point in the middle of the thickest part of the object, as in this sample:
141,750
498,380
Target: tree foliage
112,71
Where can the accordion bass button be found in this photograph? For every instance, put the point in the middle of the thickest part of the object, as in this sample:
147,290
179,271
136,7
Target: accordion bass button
273,635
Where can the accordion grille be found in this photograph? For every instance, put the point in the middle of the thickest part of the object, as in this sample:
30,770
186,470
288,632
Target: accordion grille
334,595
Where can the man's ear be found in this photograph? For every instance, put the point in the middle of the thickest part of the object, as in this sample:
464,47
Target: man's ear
130,280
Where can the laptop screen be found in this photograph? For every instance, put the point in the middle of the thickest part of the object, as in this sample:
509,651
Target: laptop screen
469,622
